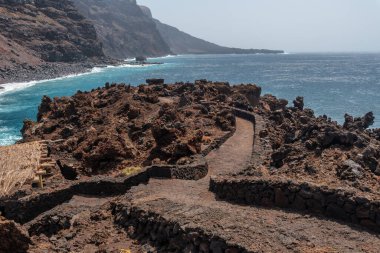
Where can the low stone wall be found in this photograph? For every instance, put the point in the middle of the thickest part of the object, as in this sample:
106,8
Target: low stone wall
244,114
215,144
166,235
220,141
196,170
27,208
335,203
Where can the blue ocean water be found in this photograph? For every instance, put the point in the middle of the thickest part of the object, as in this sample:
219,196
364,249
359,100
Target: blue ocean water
332,84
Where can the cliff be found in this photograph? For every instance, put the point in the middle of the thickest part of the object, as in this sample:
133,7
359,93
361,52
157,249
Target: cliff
34,32
123,28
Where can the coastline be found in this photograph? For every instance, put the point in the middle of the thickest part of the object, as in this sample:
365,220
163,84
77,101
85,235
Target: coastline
50,71
43,72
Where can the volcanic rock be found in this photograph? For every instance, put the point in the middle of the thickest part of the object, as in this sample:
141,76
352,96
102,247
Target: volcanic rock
117,126
13,237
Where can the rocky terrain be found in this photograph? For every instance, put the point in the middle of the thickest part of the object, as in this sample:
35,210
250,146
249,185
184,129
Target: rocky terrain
33,33
203,167
119,126
318,149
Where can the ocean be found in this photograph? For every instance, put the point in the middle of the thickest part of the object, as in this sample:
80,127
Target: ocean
332,84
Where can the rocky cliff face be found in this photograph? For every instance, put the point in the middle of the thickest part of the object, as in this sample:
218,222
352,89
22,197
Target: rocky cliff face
37,31
123,28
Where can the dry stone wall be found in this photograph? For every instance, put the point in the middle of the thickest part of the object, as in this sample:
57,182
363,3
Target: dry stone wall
340,204
169,236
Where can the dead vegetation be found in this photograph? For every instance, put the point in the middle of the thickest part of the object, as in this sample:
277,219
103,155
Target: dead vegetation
17,165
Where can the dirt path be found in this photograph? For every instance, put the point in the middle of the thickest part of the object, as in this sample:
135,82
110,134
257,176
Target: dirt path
256,229
235,153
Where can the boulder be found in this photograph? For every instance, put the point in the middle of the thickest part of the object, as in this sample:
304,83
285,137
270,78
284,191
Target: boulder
360,123
350,170
13,237
298,103
155,81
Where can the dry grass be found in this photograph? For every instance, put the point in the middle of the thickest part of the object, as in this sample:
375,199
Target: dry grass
17,165
130,171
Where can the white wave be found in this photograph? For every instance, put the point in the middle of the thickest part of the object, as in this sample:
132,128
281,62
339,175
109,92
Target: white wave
9,140
10,87
126,66
16,86
164,57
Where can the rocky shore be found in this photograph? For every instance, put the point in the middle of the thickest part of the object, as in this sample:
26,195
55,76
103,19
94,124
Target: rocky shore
196,167
45,71
42,72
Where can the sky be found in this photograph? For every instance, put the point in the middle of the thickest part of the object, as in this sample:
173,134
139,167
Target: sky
291,25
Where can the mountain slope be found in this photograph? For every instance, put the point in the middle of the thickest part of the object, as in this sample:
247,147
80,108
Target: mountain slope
36,31
183,43
123,28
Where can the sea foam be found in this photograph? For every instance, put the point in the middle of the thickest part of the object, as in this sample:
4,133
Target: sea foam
16,86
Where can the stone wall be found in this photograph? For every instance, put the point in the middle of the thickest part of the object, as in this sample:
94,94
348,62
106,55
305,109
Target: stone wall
27,208
335,203
244,114
168,236
196,170
215,144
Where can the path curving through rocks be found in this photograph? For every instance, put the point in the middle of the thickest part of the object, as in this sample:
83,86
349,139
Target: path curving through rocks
191,206
235,153
254,229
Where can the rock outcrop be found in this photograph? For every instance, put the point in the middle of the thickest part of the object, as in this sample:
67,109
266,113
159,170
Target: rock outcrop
319,150
14,238
117,126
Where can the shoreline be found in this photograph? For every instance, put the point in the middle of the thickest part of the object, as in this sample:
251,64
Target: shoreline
48,72
44,72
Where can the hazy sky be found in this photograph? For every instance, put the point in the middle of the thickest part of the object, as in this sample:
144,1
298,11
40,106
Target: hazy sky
292,25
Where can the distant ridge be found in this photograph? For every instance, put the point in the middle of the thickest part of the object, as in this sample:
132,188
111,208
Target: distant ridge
180,42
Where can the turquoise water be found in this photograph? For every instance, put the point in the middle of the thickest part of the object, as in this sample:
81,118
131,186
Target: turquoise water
332,84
